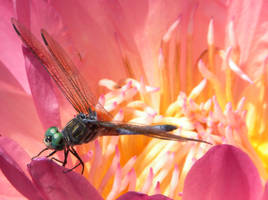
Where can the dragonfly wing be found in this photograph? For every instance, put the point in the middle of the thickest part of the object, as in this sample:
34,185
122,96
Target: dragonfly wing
78,85
61,69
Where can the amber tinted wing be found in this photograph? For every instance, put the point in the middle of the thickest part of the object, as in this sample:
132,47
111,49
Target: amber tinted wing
61,69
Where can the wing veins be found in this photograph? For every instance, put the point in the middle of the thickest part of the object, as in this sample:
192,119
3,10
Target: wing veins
53,68
62,70
69,70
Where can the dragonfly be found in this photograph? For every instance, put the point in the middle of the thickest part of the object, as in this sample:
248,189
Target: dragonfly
92,120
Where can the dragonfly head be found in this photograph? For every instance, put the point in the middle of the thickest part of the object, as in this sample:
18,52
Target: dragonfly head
54,139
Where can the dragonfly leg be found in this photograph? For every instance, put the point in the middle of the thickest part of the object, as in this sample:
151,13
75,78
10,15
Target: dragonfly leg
52,153
39,153
49,155
65,157
53,158
72,150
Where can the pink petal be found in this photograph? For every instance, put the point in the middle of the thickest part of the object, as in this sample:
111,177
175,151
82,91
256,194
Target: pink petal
224,172
15,152
10,47
246,21
21,122
23,11
55,184
251,32
158,197
8,192
140,196
39,14
83,25
42,91
265,193
7,78
11,157
133,196
39,80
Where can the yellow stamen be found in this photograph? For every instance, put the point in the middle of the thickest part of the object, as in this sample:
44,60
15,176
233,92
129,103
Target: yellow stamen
203,108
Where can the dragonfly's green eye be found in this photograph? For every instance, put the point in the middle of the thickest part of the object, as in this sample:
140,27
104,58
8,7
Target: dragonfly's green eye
54,139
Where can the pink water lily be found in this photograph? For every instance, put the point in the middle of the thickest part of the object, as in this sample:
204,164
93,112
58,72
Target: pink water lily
199,65
224,172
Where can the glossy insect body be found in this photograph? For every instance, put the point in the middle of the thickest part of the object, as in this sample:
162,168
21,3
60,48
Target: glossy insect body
93,120
81,129
85,128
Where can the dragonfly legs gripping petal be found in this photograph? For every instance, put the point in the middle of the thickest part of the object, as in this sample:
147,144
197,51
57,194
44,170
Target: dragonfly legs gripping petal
64,162
53,158
72,150
65,158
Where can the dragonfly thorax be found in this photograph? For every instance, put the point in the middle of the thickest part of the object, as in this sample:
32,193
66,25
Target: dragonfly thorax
54,139
81,129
